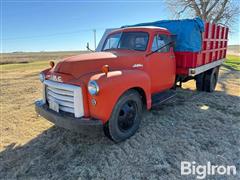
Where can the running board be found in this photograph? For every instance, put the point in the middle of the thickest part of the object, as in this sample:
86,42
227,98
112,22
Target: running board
159,98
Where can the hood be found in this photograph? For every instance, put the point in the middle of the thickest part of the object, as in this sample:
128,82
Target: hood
79,65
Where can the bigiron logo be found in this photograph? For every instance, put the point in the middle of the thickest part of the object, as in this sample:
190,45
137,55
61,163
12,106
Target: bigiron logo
202,171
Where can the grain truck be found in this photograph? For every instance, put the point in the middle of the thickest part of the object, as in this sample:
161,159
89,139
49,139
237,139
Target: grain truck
136,67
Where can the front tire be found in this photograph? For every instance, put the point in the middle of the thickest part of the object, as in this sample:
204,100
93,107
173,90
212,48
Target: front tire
125,118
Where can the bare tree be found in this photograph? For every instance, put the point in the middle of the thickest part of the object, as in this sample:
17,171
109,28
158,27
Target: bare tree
217,11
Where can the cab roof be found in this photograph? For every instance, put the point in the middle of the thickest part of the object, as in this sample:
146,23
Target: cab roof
148,29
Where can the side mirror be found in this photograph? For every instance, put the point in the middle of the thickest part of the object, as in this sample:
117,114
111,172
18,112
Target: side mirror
88,48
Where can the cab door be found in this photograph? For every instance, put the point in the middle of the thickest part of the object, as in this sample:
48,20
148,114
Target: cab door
161,64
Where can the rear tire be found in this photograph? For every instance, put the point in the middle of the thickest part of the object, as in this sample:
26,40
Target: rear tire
200,82
211,79
125,118
207,81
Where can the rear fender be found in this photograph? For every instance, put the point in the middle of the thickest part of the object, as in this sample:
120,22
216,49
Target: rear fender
112,85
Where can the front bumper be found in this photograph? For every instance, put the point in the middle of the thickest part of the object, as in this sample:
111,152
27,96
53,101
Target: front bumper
82,125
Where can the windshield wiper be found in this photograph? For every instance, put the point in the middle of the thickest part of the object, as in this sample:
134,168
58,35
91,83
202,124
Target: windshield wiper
160,48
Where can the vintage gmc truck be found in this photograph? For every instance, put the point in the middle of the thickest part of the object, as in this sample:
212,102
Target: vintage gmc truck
135,69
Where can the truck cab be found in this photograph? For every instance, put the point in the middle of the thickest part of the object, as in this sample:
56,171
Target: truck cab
146,42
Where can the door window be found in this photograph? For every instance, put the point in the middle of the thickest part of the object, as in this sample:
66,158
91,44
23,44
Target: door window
159,41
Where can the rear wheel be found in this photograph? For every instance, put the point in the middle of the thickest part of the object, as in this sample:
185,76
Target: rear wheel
125,118
200,82
211,78
207,81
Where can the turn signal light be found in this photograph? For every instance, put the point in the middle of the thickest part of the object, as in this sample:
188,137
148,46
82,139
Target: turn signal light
105,69
51,63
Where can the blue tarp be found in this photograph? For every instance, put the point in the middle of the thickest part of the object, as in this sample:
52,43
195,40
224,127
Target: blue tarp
187,31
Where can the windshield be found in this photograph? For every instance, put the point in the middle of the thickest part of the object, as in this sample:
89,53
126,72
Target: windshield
127,40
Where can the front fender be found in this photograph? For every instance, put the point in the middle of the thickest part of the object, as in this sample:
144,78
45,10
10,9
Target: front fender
112,86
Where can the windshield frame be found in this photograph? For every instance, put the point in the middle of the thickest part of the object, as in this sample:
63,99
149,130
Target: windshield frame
121,33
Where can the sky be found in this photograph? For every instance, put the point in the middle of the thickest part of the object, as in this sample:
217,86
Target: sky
68,25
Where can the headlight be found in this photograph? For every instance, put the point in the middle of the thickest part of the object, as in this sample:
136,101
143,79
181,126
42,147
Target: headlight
93,87
41,77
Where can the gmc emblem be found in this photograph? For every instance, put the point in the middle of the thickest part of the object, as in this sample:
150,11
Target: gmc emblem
56,78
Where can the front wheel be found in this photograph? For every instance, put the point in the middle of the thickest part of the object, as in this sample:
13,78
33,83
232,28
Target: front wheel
125,118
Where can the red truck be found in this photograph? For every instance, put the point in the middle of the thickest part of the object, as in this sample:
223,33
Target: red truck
136,68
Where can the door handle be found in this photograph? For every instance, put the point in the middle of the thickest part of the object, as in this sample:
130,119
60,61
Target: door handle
172,56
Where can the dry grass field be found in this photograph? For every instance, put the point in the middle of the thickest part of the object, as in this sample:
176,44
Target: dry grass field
193,126
26,57
234,50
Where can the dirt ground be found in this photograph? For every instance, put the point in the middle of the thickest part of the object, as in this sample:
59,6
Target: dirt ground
193,126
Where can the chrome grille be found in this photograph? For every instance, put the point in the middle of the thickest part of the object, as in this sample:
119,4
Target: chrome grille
68,97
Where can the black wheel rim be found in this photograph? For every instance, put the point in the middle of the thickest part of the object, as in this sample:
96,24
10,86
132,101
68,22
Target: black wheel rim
127,115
